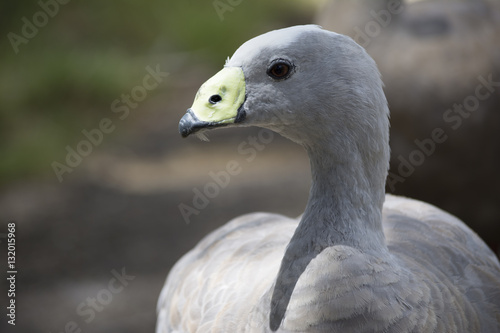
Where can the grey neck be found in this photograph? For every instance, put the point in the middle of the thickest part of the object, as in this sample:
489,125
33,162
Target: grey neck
345,203
344,208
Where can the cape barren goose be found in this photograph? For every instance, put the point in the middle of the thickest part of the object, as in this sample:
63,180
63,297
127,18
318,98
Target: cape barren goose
357,260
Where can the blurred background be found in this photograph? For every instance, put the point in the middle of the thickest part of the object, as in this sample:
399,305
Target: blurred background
94,172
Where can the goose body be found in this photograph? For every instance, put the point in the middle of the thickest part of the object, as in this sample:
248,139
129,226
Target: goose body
357,260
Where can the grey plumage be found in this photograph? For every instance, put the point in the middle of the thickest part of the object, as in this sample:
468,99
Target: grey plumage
351,263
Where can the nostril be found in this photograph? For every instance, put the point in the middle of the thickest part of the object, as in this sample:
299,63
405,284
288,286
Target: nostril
214,99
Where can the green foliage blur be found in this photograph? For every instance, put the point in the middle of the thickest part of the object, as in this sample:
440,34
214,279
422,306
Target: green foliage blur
90,52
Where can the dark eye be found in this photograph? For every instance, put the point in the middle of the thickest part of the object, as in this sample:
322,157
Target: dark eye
279,69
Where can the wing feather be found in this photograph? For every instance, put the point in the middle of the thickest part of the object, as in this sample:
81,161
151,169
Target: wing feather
437,276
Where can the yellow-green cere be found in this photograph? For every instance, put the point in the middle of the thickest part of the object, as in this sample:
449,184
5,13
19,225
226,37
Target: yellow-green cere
229,84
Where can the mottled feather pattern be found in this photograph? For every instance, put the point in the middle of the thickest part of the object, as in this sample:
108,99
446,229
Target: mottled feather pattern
224,283
209,284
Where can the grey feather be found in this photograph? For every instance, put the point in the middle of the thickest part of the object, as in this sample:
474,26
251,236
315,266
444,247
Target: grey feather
357,260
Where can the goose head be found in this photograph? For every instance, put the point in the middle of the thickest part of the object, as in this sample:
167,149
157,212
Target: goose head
315,87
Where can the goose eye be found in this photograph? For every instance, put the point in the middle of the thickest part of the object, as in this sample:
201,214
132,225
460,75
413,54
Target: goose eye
279,70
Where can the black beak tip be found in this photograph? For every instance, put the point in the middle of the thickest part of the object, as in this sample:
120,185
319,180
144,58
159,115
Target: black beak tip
184,128
190,124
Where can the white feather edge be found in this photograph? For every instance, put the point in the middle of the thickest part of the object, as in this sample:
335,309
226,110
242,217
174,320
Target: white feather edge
202,136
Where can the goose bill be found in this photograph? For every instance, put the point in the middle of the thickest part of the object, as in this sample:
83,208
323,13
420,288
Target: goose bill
218,102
